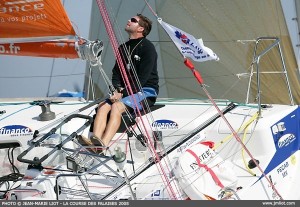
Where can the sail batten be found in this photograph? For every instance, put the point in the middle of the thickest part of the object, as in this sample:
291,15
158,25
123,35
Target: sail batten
37,39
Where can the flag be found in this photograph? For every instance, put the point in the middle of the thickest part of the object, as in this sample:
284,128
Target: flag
188,45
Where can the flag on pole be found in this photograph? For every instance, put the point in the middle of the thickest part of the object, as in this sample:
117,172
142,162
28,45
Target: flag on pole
188,45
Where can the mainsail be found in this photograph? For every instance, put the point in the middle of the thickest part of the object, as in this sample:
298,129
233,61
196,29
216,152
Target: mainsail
38,28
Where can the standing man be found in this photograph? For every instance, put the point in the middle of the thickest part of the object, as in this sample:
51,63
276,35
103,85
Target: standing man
140,60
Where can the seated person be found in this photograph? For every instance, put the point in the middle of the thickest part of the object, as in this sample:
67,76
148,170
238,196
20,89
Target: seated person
141,69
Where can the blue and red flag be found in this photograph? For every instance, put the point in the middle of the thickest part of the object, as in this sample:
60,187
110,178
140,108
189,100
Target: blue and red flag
188,45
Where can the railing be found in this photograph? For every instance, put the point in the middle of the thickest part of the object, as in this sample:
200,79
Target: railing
256,61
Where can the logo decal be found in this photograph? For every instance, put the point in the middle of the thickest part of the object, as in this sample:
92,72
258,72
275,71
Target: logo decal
156,193
165,124
282,167
285,140
184,38
15,130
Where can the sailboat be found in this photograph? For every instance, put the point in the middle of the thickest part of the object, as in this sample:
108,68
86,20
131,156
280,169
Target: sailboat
184,149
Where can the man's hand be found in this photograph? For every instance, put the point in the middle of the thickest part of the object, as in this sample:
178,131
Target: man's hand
115,97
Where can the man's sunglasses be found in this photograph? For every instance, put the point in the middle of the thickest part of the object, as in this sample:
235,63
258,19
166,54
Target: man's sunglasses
134,20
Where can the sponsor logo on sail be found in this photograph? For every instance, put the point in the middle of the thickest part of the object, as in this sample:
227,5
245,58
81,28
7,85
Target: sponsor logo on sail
15,130
285,140
164,124
31,8
9,49
25,5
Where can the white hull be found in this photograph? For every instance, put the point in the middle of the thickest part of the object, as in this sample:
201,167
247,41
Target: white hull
271,139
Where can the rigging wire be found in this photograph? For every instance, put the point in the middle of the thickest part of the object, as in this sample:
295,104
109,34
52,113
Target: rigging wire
107,80
115,46
50,79
128,57
200,81
167,161
238,139
150,8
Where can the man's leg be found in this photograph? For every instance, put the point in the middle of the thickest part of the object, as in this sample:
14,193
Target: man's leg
114,122
101,119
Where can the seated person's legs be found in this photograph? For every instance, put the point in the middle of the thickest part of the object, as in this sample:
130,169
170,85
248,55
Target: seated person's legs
113,123
103,130
101,119
98,127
